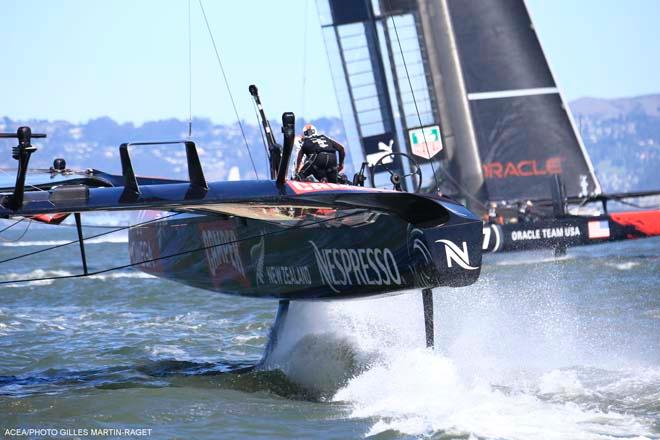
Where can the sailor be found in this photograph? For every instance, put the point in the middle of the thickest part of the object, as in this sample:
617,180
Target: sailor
492,211
525,211
320,154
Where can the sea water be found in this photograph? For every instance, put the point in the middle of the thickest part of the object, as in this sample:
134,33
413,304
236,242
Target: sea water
539,347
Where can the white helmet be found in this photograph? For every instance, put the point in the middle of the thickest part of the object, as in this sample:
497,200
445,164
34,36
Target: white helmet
309,130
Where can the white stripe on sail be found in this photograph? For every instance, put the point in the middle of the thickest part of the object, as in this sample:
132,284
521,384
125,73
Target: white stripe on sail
512,93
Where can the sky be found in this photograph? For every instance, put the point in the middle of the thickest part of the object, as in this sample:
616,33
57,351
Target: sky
128,59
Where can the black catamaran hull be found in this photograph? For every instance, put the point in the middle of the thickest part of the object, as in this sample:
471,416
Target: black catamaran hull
289,240
570,231
316,254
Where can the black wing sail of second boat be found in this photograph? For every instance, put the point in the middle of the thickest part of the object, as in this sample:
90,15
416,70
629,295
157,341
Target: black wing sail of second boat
464,87
523,127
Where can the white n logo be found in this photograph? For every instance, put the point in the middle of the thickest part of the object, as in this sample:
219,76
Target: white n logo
457,255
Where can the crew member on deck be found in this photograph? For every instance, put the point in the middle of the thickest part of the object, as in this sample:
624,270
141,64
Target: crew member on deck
320,154
525,211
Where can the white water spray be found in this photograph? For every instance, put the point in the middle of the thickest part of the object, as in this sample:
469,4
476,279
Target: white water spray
509,362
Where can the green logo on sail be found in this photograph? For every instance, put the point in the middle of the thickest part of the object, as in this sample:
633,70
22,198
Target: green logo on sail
425,142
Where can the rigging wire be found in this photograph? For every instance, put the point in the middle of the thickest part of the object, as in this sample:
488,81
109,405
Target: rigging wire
412,92
231,96
27,184
189,73
18,257
304,69
67,225
12,225
20,237
419,118
176,254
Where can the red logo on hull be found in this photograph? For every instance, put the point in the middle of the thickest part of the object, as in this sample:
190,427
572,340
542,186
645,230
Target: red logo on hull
223,253
305,187
144,247
524,168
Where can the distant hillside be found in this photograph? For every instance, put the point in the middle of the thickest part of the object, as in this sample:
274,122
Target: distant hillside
648,105
621,135
95,144
623,139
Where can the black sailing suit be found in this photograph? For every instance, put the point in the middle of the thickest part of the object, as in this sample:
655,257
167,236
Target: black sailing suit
321,161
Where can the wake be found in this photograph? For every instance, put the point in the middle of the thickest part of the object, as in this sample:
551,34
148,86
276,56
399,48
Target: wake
509,363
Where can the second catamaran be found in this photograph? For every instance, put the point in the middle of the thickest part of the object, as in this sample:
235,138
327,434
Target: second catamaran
464,88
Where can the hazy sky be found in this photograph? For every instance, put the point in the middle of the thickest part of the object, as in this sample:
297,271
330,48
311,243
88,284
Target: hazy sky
128,59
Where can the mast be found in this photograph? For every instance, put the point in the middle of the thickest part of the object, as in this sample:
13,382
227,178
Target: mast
382,84
451,98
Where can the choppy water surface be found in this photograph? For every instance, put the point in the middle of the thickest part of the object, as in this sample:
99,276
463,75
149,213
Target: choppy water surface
538,348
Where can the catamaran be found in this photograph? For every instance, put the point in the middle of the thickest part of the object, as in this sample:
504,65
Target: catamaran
461,92
276,238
